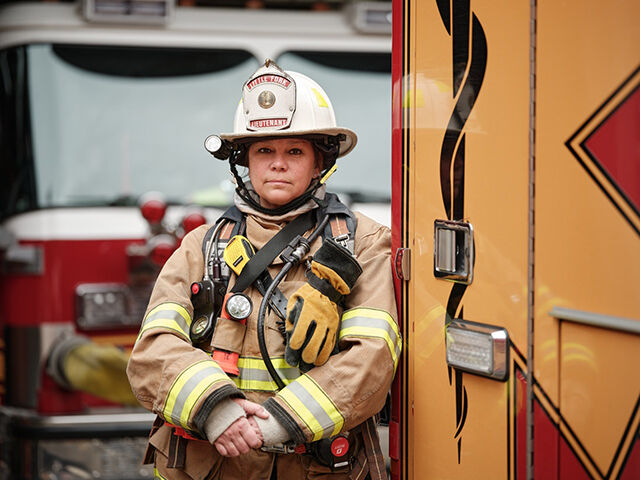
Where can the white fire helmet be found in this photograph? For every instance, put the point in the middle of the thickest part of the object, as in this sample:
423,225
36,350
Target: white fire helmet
278,103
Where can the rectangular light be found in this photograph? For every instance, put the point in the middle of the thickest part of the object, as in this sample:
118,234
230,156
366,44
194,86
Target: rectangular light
478,348
156,12
103,305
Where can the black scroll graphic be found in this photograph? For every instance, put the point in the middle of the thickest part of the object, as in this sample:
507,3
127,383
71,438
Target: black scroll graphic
469,56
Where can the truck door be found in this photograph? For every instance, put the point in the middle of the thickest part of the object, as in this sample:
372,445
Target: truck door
516,192
586,345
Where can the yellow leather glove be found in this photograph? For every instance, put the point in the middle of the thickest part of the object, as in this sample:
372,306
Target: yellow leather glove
312,311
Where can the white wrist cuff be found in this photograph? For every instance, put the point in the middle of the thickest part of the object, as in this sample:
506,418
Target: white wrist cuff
273,432
223,414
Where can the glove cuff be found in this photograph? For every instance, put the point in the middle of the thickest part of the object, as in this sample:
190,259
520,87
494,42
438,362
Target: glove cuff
326,287
334,256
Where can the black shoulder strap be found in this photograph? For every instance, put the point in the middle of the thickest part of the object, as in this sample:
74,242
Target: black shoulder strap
263,258
338,210
232,214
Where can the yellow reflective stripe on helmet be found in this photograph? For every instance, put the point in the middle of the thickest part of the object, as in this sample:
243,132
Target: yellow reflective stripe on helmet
319,98
313,406
188,388
255,376
156,474
371,323
170,316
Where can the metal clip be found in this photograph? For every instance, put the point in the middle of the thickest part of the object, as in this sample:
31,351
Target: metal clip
279,448
346,241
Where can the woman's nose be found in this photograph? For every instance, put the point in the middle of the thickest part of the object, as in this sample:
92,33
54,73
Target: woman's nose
278,162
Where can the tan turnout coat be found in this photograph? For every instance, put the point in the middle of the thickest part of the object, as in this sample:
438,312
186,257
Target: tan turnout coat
181,384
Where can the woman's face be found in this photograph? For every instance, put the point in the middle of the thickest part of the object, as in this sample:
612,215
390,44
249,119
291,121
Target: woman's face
281,169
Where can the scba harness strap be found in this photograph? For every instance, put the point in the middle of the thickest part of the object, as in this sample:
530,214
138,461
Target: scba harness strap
341,227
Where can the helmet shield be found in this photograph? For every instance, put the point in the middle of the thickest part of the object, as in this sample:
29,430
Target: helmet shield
268,99
276,103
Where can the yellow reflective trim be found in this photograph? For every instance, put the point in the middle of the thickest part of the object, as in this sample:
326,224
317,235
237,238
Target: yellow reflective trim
372,332
175,307
258,363
372,313
325,402
171,316
165,323
255,376
186,400
156,474
319,98
258,385
303,412
314,407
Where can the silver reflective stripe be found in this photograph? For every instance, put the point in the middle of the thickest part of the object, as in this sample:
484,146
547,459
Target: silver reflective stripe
374,323
255,376
186,390
319,414
168,314
366,322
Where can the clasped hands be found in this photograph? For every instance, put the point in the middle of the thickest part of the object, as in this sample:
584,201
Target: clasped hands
243,434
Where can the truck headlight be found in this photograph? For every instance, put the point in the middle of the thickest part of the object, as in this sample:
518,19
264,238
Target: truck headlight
478,348
103,305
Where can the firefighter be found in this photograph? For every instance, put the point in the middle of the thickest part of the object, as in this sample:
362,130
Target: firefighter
335,348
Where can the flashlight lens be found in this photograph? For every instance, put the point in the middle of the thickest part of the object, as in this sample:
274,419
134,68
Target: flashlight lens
213,143
239,306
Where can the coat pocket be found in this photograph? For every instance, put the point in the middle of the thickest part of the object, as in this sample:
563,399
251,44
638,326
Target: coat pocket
202,460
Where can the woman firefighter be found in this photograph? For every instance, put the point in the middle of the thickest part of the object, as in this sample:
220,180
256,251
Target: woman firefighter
287,390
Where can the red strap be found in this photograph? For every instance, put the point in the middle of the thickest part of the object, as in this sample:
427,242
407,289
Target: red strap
181,432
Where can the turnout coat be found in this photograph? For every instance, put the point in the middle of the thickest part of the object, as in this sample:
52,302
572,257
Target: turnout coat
182,384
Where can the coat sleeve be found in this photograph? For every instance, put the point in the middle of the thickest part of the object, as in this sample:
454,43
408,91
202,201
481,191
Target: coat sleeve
352,386
168,375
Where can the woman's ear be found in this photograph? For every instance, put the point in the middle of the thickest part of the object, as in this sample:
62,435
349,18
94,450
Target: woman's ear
319,162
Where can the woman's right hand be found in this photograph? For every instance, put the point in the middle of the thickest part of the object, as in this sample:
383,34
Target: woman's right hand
243,434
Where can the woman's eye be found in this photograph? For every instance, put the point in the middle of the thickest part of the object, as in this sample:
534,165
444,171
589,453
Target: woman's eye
295,151
264,150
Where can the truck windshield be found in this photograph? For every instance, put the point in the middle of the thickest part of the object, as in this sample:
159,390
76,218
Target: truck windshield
101,125
359,86
109,123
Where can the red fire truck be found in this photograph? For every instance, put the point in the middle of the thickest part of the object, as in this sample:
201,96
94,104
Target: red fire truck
104,107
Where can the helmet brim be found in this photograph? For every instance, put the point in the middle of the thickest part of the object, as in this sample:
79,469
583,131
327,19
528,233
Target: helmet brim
346,145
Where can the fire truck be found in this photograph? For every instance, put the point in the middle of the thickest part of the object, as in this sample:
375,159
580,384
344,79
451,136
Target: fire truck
104,108
516,239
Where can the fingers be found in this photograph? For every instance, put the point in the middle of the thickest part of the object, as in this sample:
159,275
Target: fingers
315,338
293,312
300,325
251,437
239,438
292,357
254,424
327,348
252,408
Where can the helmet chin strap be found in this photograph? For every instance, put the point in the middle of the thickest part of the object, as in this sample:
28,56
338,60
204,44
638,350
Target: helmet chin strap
245,194
328,147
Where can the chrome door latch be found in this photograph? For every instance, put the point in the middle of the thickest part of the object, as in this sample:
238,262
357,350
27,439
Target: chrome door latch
453,251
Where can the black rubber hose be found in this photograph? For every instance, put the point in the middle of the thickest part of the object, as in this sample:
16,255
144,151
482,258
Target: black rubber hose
265,300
